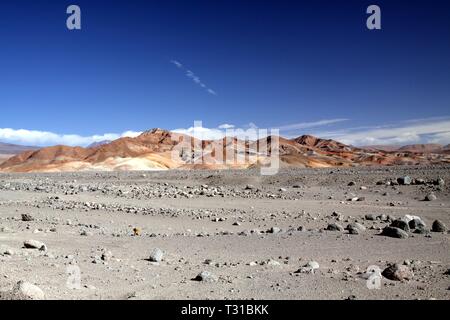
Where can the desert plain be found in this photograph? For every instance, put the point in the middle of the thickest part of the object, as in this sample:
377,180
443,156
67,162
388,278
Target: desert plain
304,233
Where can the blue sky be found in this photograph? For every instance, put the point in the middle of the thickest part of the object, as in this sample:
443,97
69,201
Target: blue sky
302,66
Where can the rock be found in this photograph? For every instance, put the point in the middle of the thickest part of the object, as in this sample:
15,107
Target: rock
355,228
430,197
404,180
416,223
137,231
401,224
398,272
370,217
208,261
272,262
206,276
335,227
394,233
310,267
28,291
438,226
34,244
351,183
106,256
274,230
27,217
440,182
156,255
86,233
421,230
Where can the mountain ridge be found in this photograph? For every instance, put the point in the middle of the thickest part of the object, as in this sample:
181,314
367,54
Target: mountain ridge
159,149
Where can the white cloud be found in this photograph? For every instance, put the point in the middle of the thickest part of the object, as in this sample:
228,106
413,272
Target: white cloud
45,138
131,134
202,133
306,125
179,65
191,75
431,130
226,126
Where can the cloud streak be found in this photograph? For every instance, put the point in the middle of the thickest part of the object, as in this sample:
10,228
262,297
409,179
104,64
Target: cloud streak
191,75
45,138
307,125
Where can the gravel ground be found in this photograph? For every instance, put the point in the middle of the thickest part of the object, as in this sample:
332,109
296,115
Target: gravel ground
301,234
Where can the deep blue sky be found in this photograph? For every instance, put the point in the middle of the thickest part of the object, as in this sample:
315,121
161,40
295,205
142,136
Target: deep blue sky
271,63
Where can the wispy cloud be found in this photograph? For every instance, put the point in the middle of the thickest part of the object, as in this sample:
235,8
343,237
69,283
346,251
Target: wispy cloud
428,130
191,75
226,126
45,138
306,125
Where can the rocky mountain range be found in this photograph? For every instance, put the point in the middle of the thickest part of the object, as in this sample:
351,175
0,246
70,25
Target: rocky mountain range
159,149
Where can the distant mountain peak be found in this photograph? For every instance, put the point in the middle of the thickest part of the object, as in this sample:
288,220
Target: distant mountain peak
99,143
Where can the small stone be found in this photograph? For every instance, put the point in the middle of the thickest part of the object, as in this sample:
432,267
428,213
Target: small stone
274,230
370,217
28,291
27,217
106,256
430,197
398,272
438,226
310,267
335,227
394,233
272,262
156,255
206,276
208,262
404,180
34,244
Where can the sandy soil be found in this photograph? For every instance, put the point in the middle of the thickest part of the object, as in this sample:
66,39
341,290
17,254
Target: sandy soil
221,222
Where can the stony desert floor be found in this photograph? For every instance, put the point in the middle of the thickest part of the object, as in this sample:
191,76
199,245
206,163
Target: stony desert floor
261,237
